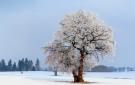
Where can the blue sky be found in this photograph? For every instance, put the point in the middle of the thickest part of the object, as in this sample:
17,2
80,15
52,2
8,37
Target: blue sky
27,25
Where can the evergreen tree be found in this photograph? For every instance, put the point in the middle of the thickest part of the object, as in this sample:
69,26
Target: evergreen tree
23,64
30,65
14,68
26,64
19,65
3,65
0,66
9,67
37,65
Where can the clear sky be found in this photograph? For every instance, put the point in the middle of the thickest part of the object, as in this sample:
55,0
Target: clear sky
27,25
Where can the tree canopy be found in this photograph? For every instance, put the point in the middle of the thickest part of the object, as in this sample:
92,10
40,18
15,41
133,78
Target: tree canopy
81,40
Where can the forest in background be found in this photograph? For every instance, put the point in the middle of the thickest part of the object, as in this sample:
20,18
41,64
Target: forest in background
23,64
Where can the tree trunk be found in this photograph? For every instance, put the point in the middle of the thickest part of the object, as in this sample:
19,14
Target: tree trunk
79,77
80,69
75,76
55,73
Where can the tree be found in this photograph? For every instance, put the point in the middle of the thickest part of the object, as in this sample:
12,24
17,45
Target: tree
30,65
81,41
33,68
54,50
14,67
26,64
102,68
37,65
9,66
22,65
19,65
3,65
0,66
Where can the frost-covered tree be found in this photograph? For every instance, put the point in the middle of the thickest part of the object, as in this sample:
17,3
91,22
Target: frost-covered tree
81,40
54,50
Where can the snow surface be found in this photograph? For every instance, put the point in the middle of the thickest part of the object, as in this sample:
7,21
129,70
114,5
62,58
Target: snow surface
48,78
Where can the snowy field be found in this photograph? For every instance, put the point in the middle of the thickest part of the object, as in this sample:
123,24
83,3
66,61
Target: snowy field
47,78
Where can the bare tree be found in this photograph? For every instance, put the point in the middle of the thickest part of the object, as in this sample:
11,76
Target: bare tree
81,41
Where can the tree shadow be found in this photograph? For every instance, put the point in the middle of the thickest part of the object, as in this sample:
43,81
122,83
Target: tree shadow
55,75
71,82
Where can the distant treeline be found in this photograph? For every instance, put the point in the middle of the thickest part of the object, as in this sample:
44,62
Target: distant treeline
103,68
23,64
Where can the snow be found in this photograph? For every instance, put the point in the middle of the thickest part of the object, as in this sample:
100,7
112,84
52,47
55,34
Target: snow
47,78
